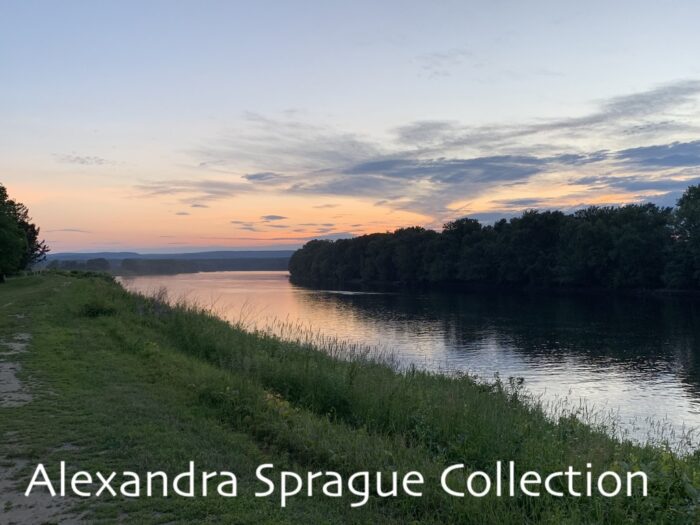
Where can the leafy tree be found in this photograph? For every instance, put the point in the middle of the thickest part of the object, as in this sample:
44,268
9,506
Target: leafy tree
632,246
34,249
687,231
641,237
13,245
584,249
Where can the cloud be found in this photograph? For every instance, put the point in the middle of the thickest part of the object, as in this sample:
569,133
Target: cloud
428,166
441,63
333,236
324,206
521,203
269,218
640,183
650,103
194,190
674,155
245,225
68,230
430,185
83,160
642,113
427,132
505,167
182,213
265,177
198,205
284,145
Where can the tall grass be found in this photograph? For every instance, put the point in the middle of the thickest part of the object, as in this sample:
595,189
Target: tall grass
340,406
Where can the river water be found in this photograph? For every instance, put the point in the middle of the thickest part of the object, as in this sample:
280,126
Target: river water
635,361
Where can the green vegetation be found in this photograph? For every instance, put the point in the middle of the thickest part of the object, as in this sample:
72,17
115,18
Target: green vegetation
633,246
168,266
98,264
20,246
171,266
122,382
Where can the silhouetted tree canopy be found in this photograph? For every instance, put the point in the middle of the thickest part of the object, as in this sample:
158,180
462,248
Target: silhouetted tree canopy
631,246
20,246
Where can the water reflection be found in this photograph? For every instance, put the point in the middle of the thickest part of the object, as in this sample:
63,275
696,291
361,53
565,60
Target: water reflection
634,356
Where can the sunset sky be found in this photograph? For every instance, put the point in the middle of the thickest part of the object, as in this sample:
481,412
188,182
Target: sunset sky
180,125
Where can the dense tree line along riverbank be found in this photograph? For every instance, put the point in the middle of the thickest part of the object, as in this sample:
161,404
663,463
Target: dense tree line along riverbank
631,246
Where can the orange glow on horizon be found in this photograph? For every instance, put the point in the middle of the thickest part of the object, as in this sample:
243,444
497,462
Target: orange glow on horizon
108,216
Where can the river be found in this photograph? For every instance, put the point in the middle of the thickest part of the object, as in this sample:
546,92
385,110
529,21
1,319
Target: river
633,360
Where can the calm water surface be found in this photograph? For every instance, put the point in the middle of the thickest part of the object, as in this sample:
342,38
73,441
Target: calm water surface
636,358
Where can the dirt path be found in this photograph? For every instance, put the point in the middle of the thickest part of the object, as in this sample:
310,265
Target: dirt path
15,508
13,392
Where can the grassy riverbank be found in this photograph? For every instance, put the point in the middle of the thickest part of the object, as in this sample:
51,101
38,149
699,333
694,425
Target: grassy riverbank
119,382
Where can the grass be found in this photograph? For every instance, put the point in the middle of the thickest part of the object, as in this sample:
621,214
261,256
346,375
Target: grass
133,384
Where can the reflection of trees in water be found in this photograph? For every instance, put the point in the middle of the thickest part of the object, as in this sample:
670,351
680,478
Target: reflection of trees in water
643,335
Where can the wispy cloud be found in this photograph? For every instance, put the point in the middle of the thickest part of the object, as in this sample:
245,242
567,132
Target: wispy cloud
83,160
645,113
193,191
68,230
334,235
674,155
245,225
283,146
429,165
441,63
265,177
642,183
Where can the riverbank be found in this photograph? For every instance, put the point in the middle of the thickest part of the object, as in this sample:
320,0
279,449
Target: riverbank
118,382
458,287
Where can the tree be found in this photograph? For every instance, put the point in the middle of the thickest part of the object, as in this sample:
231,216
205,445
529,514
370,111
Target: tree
36,249
13,246
687,231
97,265
20,245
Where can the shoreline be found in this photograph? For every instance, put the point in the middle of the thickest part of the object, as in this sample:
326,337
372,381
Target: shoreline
131,382
466,288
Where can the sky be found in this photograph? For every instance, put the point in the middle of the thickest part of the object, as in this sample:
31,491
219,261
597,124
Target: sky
187,125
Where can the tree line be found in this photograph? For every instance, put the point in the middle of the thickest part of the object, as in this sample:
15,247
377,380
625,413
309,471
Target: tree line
99,264
632,246
169,266
20,245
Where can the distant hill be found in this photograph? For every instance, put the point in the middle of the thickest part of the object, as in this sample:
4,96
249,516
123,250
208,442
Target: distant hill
225,254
